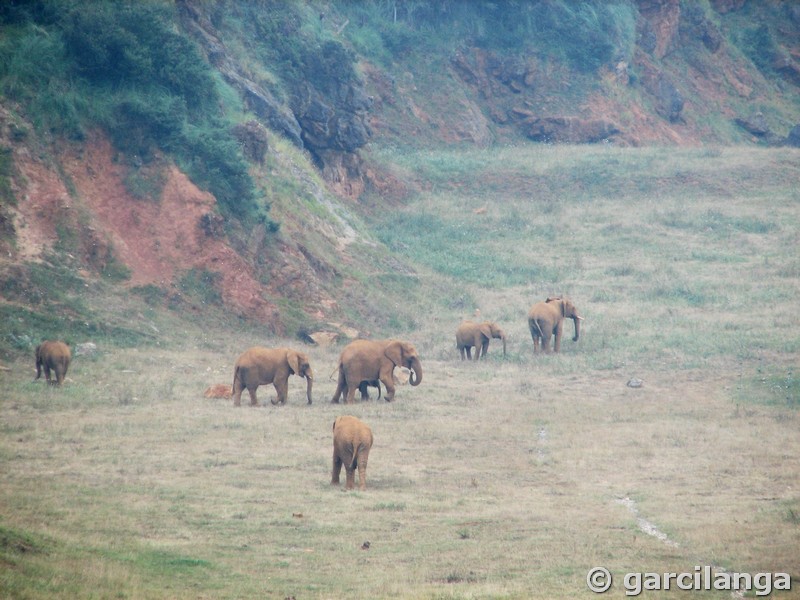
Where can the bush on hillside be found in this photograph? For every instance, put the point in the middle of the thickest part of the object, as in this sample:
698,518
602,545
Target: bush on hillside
124,66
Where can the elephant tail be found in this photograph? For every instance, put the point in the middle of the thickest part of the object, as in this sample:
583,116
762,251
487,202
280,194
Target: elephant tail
236,376
357,448
535,329
353,455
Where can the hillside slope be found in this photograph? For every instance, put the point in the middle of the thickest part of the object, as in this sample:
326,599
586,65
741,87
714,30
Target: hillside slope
317,87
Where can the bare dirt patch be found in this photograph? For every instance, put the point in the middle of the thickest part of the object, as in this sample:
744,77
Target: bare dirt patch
158,240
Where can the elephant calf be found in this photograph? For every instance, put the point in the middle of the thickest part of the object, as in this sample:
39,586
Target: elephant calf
53,355
471,334
259,366
352,440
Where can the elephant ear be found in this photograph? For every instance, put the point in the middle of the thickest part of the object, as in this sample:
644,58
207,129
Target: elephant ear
394,352
486,330
293,358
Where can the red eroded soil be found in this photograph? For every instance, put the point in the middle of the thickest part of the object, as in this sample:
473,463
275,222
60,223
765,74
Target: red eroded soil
157,240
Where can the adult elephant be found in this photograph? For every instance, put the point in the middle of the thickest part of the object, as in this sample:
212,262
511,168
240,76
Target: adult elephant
471,334
352,441
259,366
546,319
369,360
54,355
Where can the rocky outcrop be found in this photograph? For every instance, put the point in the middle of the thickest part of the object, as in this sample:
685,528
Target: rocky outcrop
726,6
667,98
252,137
756,125
787,65
256,97
493,74
695,25
793,139
569,130
658,26
333,122
327,109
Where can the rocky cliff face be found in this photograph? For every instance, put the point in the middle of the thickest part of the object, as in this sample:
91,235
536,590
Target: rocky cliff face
332,104
326,113
681,74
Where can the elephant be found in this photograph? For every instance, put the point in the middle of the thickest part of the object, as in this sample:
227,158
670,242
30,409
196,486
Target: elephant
54,355
546,319
258,366
352,440
370,360
471,334
363,389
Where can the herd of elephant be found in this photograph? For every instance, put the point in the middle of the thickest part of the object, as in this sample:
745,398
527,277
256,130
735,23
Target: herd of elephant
362,363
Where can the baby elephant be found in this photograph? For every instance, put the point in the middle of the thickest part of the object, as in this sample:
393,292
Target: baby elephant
53,355
352,440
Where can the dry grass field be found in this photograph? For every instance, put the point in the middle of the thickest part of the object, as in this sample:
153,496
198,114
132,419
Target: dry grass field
507,478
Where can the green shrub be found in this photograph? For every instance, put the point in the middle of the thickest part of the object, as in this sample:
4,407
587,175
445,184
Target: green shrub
202,285
758,44
126,67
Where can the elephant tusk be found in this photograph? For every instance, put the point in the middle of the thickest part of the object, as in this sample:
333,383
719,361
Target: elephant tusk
579,318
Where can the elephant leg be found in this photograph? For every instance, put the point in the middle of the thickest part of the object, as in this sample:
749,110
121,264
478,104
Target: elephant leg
362,387
282,389
362,471
557,335
463,354
388,381
350,476
535,338
337,469
341,388
469,352
351,394
484,349
252,392
47,373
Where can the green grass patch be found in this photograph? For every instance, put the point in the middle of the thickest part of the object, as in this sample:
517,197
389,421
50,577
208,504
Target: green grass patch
774,387
201,285
458,250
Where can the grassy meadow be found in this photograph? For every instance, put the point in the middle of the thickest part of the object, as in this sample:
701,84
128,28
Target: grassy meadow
509,478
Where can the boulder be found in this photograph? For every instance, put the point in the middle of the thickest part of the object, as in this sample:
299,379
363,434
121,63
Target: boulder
570,130
755,124
323,338
793,139
85,349
252,137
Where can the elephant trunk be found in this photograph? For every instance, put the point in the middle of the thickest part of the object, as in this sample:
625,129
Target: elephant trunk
309,384
415,376
577,320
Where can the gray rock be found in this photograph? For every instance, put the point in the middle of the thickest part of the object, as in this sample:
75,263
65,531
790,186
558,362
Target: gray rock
793,139
85,349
